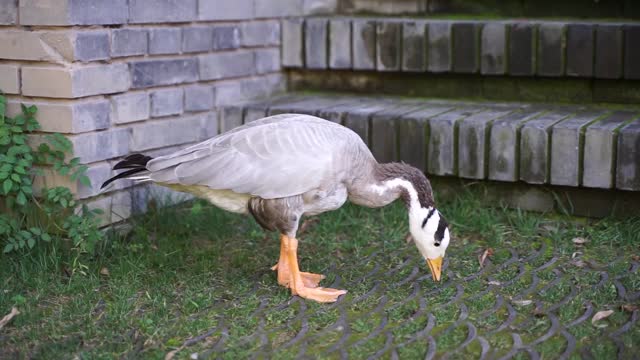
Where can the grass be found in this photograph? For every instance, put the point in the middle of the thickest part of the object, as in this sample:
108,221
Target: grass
196,279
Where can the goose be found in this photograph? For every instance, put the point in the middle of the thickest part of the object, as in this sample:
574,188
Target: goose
280,168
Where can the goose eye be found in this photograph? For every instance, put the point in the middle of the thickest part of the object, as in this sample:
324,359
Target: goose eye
437,244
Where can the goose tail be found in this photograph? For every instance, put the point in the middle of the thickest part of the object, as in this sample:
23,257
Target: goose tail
135,164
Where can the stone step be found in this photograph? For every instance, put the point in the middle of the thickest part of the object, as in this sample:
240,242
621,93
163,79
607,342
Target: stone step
577,146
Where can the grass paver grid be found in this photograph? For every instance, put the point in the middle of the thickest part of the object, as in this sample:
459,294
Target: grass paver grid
196,280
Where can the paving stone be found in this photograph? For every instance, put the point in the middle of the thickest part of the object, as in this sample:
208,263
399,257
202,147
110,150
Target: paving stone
473,148
340,44
414,46
632,52
197,39
535,138
608,51
599,150
388,45
442,151
358,118
128,42
292,104
522,40
230,117
466,47
315,42
413,134
384,131
8,12
580,42
338,113
198,98
439,47
217,66
551,49
503,144
308,105
567,138
165,41
628,161
147,73
493,49
253,113
364,44
292,43
260,33
92,46
225,9
226,37
129,107
320,7
167,102
162,11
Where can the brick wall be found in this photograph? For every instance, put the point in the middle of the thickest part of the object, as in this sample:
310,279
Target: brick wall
124,76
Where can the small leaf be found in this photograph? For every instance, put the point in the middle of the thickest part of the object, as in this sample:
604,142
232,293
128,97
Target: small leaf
482,258
84,180
630,307
8,248
601,315
21,199
31,242
104,271
46,237
16,178
7,185
35,231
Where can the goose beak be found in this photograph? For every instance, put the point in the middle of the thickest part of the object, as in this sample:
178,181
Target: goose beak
436,267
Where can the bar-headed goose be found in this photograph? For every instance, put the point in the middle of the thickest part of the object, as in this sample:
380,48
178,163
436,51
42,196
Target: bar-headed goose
282,167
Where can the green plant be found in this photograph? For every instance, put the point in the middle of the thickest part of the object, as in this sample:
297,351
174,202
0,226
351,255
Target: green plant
28,218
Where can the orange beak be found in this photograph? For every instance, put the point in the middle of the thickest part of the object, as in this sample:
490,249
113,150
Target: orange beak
436,267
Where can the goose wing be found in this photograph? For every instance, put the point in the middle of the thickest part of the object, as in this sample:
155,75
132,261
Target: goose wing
278,156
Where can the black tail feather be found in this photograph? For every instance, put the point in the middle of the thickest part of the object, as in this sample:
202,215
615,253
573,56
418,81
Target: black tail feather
136,163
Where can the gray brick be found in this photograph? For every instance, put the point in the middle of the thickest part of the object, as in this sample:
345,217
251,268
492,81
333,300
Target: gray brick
129,107
90,116
163,72
608,51
338,113
265,85
230,117
162,11
535,138
166,102
466,47
8,12
473,149
388,45
225,65
92,45
254,113
260,33
163,133
101,145
414,46
442,151
364,44
551,48
267,60
504,142
292,43
128,42
522,40
278,8
567,138
632,52
599,150
413,132
358,118
320,7
340,44
197,39
95,12
226,37
165,41
628,162
225,9
580,40
315,43
384,133
439,51
493,49
198,98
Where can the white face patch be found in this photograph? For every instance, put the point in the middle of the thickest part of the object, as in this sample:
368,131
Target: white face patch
425,236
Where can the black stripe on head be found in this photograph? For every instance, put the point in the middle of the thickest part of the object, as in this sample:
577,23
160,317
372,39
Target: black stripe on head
442,225
424,222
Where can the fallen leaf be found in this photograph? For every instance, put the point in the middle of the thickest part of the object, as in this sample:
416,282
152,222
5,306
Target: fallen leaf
630,307
576,254
408,238
522,302
5,320
104,271
488,252
579,263
601,315
497,283
635,257
538,312
579,241
307,223
170,355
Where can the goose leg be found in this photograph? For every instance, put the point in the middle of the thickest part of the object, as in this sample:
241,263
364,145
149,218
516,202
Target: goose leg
284,273
296,282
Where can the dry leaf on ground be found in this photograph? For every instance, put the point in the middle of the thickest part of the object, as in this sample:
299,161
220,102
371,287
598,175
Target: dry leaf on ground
601,315
5,320
104,271
497,283
522,302
579,241
482,258
630,307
